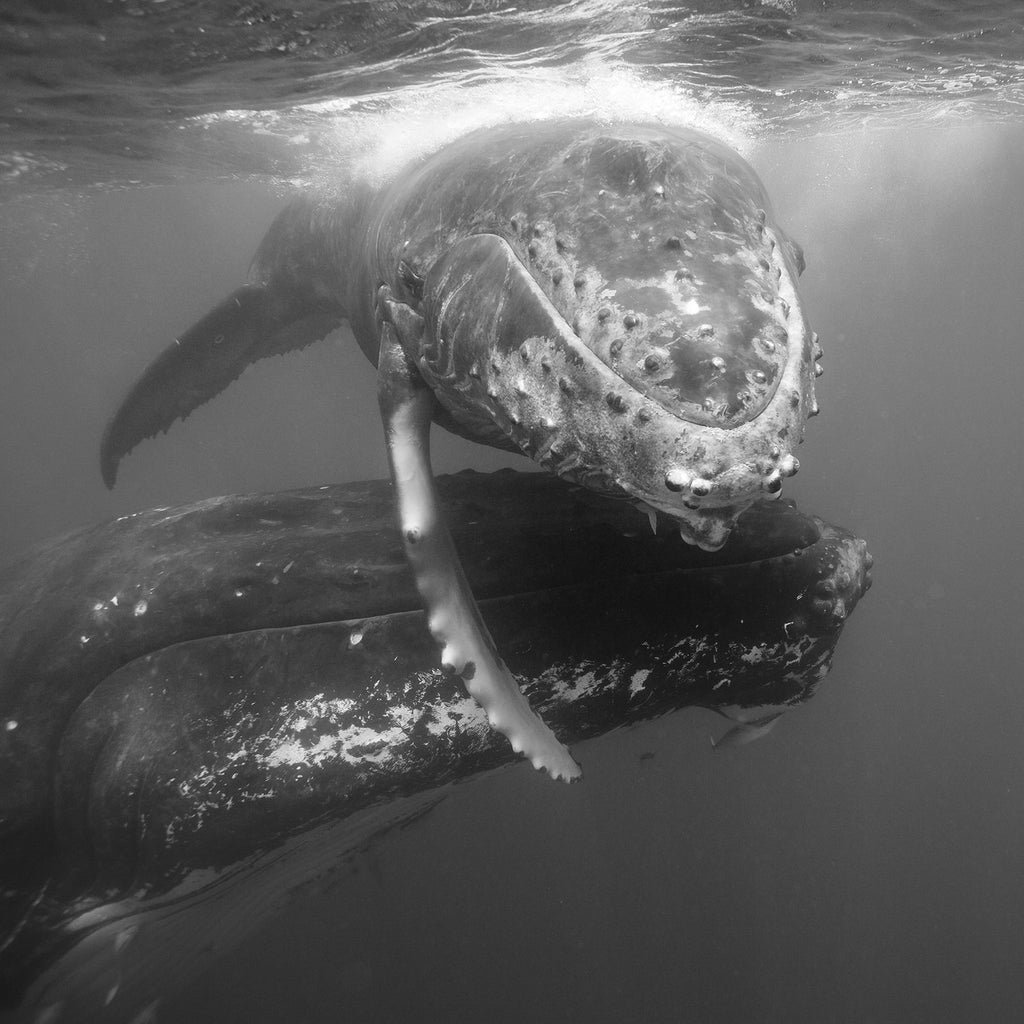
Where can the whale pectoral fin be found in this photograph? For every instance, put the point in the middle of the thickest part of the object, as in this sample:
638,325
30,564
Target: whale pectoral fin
743,733
252,323
407,408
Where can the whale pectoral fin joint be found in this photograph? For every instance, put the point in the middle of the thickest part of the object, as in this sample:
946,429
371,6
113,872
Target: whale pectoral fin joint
405,322
407,407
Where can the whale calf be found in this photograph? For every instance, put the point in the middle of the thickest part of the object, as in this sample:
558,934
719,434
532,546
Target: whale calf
614,301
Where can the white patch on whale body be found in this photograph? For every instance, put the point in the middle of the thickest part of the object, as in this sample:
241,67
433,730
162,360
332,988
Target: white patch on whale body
338,739
636,683
566,685
337,745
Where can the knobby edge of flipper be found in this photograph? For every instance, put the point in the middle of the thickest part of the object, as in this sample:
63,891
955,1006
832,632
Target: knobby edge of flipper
408,405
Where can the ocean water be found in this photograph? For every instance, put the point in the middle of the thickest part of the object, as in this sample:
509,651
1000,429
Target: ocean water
860,864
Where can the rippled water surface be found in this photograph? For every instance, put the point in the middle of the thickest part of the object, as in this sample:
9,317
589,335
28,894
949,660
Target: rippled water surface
861,863
139,90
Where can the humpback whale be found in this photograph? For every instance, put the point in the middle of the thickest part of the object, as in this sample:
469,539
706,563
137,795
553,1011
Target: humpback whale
615,301
203,706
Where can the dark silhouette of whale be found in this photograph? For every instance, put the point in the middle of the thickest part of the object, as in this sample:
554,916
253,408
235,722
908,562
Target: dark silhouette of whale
615,302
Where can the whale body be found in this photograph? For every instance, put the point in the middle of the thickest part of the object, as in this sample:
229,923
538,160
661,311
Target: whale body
614,301
188,693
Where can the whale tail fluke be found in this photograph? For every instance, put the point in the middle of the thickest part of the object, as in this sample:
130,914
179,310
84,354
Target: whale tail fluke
252,323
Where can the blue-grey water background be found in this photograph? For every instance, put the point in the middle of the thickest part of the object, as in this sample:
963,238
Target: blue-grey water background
863,863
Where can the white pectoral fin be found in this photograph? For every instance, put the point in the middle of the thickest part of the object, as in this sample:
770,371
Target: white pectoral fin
407,407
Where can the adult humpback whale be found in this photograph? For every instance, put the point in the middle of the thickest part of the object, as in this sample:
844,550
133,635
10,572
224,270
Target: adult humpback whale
203,707
613,301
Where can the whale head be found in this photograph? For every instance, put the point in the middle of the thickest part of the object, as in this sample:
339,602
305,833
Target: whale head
642,334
